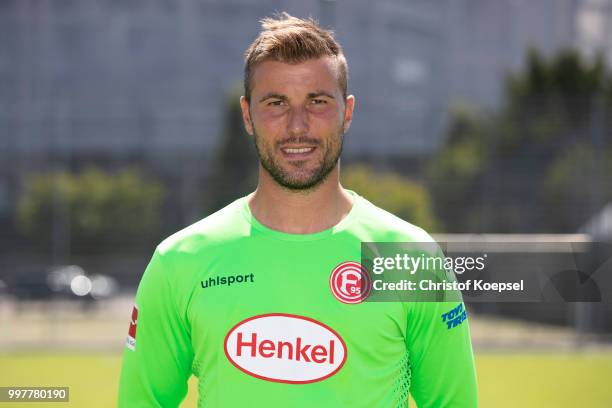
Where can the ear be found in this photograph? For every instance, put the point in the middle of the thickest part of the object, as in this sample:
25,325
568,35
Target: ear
349,104
246,115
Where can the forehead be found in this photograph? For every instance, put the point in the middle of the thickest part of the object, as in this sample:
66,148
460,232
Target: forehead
276,76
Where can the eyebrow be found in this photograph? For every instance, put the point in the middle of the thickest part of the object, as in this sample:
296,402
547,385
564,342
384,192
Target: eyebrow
273,95
311,95
316,94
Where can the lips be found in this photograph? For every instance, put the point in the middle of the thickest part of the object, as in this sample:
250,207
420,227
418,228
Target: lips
298,151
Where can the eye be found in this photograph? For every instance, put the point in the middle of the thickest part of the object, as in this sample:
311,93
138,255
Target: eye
275,103
318,101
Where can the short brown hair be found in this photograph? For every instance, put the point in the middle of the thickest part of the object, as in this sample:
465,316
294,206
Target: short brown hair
292,40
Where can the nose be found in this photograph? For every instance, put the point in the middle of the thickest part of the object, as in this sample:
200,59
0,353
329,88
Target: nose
298,121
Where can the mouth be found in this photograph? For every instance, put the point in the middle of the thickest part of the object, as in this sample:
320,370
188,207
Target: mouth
298,152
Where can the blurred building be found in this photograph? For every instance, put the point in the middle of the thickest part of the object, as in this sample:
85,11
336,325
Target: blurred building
489,39
593,28
114,82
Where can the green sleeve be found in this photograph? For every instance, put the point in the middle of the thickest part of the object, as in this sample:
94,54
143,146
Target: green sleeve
441,358
156,369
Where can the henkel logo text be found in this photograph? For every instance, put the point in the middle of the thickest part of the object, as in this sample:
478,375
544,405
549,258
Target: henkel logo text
285,348
350,283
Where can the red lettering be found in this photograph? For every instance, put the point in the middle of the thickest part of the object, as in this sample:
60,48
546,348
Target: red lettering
266,349
319,351
252,344
280,349
301,351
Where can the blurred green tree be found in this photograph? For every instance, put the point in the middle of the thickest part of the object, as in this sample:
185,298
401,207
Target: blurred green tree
457,173
234,171
96,209
398,195
511,171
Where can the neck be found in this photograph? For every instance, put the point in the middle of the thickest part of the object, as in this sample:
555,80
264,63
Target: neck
302,211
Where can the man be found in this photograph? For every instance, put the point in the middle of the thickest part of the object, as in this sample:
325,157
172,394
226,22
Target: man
258,300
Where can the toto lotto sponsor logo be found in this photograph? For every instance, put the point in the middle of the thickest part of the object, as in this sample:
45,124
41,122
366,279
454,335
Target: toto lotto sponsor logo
350,282
285,348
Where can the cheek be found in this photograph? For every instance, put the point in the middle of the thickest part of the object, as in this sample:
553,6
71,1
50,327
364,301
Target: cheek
326,124
267,121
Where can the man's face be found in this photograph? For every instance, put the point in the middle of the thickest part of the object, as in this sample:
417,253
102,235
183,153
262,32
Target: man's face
298,117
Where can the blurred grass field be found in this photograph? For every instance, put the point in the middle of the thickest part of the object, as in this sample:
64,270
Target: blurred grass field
505,380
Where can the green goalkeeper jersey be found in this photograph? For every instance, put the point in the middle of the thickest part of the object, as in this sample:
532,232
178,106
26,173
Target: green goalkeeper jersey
268,319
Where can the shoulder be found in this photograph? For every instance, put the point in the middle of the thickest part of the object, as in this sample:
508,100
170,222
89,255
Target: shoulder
381,225
218,229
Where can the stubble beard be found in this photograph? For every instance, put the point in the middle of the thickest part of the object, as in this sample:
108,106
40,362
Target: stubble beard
290,180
